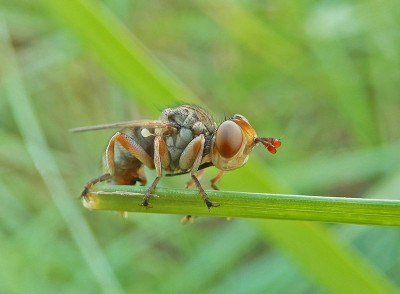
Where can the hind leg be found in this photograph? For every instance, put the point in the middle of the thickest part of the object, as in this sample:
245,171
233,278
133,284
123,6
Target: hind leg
124,178
131,146
89,185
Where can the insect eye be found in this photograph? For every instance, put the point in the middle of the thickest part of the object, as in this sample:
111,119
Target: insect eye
228,139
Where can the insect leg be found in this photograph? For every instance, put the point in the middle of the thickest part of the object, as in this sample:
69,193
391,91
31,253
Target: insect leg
199,176
165,159
142,176
146,197
216,179
161,158
131,146
89,185
192,156
189,218
203,194
110,166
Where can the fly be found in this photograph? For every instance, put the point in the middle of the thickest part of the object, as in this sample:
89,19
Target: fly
183,140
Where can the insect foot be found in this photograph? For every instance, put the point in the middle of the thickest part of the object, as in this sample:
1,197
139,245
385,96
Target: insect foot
89,185
146,202
84,193
187,219
211,204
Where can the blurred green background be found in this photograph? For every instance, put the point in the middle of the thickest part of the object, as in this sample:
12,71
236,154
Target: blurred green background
323,76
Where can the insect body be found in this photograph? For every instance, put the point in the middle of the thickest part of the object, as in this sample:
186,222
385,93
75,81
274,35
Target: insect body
183,140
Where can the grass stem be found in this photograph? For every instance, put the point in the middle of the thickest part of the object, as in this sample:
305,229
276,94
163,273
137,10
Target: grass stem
250,205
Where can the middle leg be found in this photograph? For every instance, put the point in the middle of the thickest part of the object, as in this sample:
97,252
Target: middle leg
161,158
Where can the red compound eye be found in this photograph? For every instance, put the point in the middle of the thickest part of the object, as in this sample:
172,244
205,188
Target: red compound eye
228,139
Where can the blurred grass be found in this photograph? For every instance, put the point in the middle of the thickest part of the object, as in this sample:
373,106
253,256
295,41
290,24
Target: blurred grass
331,66
38,150
320,122
120,52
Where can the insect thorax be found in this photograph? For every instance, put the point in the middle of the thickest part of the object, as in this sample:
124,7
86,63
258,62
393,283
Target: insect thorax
191,121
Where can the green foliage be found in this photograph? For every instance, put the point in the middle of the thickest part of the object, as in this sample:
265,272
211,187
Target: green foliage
323,76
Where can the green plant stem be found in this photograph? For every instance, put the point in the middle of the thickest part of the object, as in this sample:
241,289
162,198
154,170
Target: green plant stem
250,205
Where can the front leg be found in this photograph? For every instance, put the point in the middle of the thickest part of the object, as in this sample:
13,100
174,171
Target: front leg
191,157
189,218
203,193
216,179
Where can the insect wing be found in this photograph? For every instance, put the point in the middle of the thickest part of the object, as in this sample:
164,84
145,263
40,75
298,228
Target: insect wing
127,124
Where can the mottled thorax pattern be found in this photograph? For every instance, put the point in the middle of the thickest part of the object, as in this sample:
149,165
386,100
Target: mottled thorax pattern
191,121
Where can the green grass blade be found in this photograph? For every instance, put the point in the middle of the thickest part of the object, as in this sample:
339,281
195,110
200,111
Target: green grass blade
276,50
340,274
120,52
222,256
45,164
364,276
344,168
251,205
331,74
279,276
349,95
